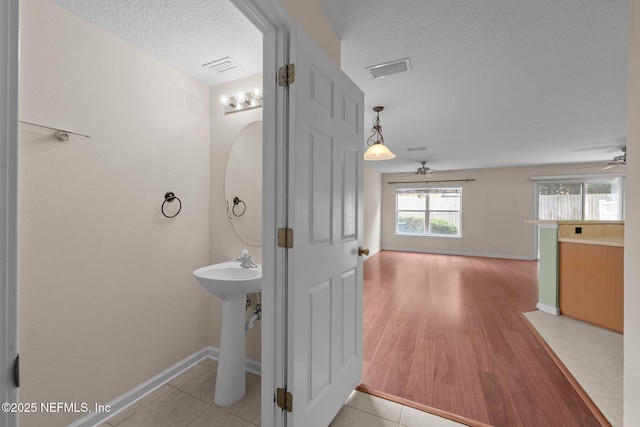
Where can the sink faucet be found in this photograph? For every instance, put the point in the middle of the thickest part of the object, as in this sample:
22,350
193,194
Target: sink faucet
245,259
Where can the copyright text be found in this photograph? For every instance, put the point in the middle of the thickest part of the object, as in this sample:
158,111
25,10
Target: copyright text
54,407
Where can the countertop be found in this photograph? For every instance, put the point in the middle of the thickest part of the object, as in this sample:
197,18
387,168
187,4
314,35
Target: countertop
603,233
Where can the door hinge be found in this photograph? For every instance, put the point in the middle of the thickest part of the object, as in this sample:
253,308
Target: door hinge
285,238
16,371
286,74
284,399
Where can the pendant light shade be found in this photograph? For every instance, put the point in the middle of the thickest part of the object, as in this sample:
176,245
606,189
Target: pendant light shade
377,150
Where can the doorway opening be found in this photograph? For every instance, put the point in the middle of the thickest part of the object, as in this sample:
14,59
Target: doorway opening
149,127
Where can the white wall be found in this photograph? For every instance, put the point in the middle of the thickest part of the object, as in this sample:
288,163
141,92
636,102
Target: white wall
225,245
312,19
632,231
494,210
372,209
107,296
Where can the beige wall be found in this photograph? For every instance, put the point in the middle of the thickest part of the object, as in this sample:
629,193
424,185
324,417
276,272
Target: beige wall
225,245
312,19
632,231
494,209
372,209
107,296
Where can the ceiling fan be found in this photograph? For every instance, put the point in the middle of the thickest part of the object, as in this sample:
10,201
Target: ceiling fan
423,170
617,161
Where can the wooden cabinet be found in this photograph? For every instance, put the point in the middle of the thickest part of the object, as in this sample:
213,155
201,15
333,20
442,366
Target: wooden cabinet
591,283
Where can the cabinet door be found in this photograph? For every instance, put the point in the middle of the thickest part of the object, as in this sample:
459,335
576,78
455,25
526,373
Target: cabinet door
592,284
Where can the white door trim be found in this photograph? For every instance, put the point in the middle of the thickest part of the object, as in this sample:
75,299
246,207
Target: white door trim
270,18
9,34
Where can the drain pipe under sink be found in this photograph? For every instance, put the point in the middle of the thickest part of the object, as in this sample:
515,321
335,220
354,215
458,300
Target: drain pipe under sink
257,313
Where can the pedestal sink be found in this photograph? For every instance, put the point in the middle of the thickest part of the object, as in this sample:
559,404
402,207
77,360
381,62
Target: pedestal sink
230,283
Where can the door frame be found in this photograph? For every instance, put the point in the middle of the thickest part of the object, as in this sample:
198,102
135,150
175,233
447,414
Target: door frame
9,34
272,20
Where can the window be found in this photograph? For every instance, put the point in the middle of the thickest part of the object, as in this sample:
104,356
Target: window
600,199
428,211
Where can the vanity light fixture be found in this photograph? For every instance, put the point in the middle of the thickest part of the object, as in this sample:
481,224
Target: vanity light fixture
241,101
377,150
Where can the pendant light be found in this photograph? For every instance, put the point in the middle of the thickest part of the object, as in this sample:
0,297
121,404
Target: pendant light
377,150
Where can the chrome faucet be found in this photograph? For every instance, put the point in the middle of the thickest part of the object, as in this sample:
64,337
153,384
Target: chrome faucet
245,260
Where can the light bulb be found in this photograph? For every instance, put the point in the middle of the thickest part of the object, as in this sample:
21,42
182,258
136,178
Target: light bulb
241,97
253,102
257,93
224,100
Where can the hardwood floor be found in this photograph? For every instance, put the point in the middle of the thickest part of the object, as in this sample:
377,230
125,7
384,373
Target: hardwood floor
445,332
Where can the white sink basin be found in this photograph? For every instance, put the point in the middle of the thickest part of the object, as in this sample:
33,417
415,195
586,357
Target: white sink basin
228,280
231,283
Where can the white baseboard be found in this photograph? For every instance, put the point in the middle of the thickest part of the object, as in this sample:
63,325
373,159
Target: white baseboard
249,364
138,392
463,253
548,309
372,253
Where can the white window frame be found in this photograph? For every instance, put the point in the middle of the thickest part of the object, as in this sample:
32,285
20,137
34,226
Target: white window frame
578,179
427,211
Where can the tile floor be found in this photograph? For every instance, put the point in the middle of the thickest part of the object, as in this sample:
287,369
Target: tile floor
187,400
593,355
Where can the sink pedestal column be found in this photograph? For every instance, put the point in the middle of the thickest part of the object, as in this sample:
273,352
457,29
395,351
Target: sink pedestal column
230,379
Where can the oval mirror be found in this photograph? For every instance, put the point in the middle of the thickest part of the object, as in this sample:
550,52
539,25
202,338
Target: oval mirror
243,184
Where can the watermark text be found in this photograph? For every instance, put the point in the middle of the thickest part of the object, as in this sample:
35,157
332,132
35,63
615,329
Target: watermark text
54,407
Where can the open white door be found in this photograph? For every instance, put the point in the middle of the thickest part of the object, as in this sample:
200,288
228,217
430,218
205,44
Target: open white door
324,277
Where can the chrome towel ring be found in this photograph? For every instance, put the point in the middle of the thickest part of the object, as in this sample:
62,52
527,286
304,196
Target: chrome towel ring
170,197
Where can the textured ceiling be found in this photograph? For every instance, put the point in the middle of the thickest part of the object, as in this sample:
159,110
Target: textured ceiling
494,83
183,33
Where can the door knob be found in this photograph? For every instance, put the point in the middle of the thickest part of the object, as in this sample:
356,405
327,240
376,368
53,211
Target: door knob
362,251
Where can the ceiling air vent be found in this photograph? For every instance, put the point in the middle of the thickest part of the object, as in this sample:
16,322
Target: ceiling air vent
221,65
389,68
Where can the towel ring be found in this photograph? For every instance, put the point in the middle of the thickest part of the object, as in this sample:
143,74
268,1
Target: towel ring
237,202
170,197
